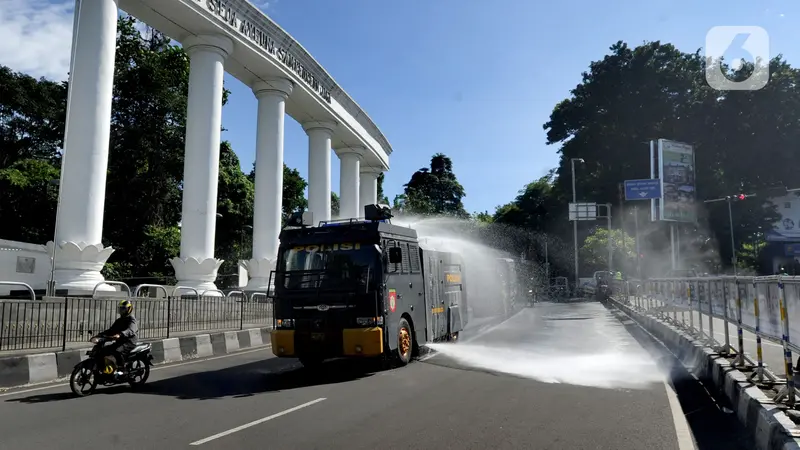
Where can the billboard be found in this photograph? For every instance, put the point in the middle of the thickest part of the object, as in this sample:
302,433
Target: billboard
787,228
677,174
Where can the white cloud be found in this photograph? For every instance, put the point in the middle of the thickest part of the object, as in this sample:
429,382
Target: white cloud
36,37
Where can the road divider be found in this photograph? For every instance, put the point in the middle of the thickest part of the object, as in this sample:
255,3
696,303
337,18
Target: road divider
24,370
771,427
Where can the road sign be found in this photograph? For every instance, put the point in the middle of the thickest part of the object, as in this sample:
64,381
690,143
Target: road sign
582,211
642,189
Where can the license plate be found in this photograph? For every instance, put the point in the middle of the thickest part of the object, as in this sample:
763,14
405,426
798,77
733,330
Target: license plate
317,336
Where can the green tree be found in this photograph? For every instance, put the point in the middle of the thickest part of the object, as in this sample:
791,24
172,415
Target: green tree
632,95
483,217
293,192
435,190
399,204
30,193
235,208
534,207
382,198
143,192
594,251
294,186
335,204
32,116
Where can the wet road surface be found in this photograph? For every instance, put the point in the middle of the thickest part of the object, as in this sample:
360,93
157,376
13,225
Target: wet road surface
557,376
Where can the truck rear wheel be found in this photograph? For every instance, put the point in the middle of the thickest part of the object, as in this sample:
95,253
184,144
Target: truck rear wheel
405,342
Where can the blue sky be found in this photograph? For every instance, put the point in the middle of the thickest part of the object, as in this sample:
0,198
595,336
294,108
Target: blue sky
477,81
474,80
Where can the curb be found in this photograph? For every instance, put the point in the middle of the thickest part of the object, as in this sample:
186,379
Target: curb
17,371
770,426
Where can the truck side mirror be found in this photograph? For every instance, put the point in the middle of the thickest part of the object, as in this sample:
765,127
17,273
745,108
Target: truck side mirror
395,255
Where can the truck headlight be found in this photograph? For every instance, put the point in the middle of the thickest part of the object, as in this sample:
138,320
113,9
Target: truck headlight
285,323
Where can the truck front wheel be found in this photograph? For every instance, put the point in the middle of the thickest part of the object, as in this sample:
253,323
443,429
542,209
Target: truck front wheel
405,342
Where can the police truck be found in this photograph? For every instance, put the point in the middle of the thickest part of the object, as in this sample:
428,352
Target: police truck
362,288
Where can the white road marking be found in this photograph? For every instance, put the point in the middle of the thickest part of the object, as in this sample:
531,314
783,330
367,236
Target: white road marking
256,422
682,430
153,369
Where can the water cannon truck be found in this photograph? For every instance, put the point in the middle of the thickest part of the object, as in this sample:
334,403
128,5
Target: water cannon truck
362,288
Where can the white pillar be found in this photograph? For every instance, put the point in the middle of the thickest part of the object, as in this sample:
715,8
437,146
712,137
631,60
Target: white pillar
319,169
80,254
369,187
196,267
272,95
350,160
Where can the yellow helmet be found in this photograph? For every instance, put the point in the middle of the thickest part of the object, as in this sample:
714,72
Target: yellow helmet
125,307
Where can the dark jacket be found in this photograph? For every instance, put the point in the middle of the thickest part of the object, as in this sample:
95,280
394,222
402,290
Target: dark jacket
126,327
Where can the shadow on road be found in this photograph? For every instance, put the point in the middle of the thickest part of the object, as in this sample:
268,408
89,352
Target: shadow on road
711,419
270,375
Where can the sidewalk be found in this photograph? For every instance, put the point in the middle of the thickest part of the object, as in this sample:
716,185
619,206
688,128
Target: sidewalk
145,335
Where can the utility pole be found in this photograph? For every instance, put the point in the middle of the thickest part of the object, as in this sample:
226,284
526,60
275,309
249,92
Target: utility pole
575,223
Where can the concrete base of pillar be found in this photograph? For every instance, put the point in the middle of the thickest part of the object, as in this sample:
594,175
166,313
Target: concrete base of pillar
259,271
78,266
197,274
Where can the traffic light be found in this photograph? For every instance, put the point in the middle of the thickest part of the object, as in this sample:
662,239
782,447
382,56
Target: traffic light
738,197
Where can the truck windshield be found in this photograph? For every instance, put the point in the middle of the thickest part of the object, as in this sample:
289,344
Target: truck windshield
346,266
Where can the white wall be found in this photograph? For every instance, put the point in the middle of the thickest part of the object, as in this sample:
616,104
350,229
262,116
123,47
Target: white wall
10,252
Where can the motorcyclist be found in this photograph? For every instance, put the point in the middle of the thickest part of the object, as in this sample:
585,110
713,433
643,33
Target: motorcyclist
602,287
124,330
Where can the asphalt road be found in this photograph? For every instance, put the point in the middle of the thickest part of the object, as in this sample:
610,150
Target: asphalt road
557,376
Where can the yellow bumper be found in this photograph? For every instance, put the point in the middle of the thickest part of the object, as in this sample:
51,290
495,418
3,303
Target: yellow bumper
282,342
362,341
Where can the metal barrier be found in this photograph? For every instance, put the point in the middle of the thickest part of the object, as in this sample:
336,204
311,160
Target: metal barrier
57,323
768,307
216,291
111,283
255,295
25,285
184,288
142,286
230,294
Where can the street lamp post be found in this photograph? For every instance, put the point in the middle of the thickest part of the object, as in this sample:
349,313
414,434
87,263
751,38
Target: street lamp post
730,226
575,222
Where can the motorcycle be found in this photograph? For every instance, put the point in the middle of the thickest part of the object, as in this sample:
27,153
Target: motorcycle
603,292
97,369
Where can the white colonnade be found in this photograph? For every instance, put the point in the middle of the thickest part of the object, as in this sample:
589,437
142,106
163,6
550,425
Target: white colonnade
272,95
80,253
368,190
197,267
349,182
319,169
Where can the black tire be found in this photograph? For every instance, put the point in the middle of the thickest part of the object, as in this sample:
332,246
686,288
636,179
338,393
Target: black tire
135,383
77,372
405,342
